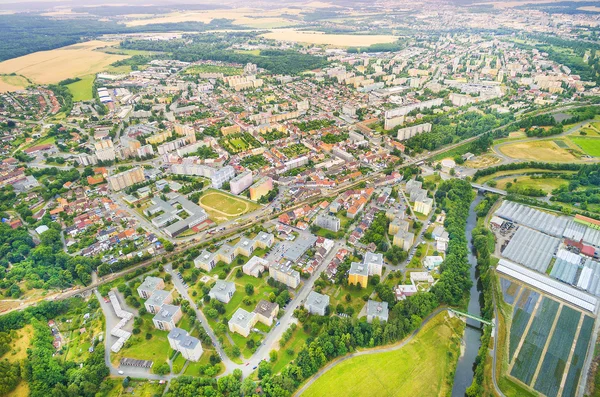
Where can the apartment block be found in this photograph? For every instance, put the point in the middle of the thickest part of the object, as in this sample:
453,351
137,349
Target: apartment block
240,182
125,179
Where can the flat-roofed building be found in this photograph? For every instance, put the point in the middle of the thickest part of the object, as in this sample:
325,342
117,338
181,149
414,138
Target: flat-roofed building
398,224
222,175
374,263
266,312
167,317
423,205
150,284
125,179
404,240
377,310
157,300
285,274
244,247
328,222
189,347
240,182
359,274
242,322
264,240
261,188
222,291
205,261
255,266
316,303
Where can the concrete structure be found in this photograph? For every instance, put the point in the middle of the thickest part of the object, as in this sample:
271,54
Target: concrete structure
240,182
285,274
266,312
222,291
398,224
377,310
242,322
226,253
220,176
404,240
150,284
189,347
125,179
168,316
328,222
105,150
316,303
261,188
409,132
157,300
423,205
432,262
118,330
170,219
205,261
359,274
374,263
255,266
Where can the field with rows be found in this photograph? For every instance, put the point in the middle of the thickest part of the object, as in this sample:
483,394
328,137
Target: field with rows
510,290
532,348
521,316
579,354
557,354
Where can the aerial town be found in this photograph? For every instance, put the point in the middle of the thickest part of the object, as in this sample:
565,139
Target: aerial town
317,199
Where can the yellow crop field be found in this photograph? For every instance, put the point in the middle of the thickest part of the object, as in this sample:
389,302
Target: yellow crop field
12,83
242,16
345,40
537,150
46,67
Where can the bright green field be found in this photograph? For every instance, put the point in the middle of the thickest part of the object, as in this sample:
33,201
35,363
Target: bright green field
82,90
421,368
589,145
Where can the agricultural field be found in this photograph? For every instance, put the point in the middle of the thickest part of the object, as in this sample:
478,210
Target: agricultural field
545,184
221,206
537,150
311,37
547,343
590,146
10,82
82,89
47,67
421,368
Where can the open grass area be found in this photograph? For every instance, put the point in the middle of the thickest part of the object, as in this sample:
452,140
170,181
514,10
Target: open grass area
590,146
539,151
45,67
20,344
222,206
483,161
82,89
295,343
22,390
499,174
139,388
546,184
12,82
424,367
226,70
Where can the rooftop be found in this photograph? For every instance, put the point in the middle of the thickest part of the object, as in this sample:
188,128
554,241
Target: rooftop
242,318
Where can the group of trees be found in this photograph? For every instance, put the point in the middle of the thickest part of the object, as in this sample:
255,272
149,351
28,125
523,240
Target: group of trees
316,124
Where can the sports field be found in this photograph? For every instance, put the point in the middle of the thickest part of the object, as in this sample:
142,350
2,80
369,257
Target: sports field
537,150
222,207
420,368
82,90
590,146
46,67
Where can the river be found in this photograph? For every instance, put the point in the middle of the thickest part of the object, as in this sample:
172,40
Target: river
472,336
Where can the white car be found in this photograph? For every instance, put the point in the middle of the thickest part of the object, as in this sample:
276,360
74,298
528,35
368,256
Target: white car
121,372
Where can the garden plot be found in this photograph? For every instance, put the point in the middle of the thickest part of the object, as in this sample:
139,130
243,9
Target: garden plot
531,351
521,315
557,354
583,342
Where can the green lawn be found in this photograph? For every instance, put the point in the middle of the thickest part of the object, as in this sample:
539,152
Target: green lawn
590,146
82,89
545,184
424,367
297,341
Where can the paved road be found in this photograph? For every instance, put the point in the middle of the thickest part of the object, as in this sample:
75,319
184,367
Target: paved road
398,346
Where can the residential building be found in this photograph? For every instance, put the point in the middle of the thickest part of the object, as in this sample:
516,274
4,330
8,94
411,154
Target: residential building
150,284
240,182
157,300
432,262
377,310
189,347
255,266
374,263
242,322
328,222
423,205
205,261
359,274
316,303
261,188
125,179
285,274
220,176
222,291
168,316
404,240
266,312
398,224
